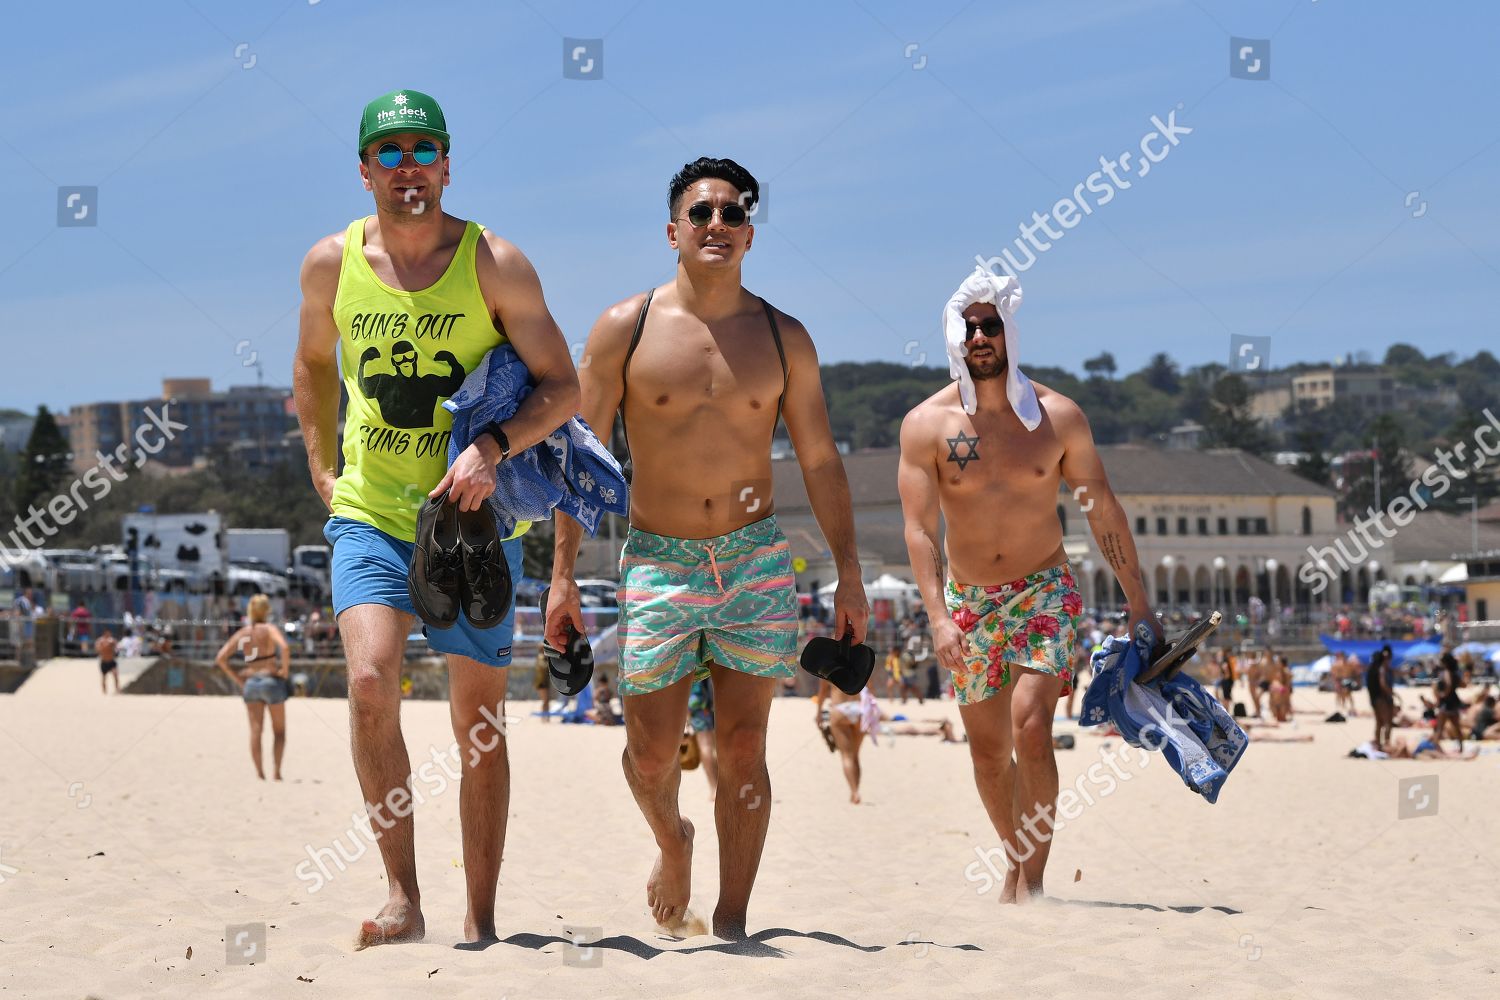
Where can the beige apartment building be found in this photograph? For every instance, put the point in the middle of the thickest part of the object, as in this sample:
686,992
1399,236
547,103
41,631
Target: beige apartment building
250,420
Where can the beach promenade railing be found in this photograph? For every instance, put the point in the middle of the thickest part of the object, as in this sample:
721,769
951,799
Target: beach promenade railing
199,640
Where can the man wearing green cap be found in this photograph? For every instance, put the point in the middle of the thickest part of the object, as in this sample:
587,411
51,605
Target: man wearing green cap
397,308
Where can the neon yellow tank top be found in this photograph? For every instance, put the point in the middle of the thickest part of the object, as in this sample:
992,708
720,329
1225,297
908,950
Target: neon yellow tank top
401,354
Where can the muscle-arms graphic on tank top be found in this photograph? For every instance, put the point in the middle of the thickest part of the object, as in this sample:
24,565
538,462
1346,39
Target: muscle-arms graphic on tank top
401,354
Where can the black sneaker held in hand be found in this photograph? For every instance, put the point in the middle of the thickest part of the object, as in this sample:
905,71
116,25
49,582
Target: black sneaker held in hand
435,577
487,585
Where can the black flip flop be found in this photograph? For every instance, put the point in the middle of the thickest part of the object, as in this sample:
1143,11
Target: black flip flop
572,669
844,664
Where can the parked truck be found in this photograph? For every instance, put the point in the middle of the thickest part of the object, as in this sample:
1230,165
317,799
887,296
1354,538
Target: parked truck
271,546
311,572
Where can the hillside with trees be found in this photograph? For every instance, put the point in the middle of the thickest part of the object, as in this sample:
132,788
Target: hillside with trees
866,403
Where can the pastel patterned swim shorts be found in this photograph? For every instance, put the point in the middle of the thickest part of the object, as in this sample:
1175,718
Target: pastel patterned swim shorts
731,599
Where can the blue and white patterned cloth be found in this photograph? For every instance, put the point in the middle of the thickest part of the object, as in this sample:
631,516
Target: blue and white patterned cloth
1197,736
570,470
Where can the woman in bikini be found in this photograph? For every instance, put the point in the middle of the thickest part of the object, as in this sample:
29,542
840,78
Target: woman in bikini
262,681
846,728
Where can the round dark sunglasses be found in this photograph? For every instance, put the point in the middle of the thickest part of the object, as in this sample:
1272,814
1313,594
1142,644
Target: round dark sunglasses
424,153
701,214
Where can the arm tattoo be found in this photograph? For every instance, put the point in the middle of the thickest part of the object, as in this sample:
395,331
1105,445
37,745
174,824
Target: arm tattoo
970,446
1113,552
937,563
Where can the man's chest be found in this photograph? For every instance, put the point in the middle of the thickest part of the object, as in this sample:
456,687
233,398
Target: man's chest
683,368
991,457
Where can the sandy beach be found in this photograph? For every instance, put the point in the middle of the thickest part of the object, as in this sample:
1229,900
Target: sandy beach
139,853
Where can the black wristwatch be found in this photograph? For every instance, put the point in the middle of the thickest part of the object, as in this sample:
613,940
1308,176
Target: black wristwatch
494,431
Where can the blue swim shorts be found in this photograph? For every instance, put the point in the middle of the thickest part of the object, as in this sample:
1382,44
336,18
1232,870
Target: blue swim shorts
369,567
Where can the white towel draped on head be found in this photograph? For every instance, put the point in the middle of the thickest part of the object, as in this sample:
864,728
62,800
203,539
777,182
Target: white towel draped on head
1004,293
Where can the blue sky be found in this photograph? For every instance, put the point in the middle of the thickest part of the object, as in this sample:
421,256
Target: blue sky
1287,212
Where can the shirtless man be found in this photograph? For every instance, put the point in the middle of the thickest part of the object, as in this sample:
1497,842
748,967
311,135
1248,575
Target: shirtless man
1004,603
409,294
702,368
1258,680
107,646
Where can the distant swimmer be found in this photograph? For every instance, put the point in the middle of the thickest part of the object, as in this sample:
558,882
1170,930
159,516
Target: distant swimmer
107,647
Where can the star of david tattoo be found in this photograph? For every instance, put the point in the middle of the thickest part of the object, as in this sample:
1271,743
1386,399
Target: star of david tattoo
971,450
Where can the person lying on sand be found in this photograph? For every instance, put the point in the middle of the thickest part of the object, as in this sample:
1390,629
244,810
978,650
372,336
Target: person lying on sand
1480,720
1425,749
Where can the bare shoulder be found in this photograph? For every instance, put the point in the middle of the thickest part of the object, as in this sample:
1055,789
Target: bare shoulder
610,336
795,339
620,318
790,326
320,268
922,422
496,256
1066,415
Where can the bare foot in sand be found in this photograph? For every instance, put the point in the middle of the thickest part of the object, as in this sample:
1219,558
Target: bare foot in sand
398,921
670,885
1008,890
854,798
476,931
1014,892
729,926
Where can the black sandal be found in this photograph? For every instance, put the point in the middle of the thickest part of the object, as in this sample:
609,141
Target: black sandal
844,664
571,670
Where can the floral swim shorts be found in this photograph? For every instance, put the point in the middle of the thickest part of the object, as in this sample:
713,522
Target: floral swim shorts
1031,623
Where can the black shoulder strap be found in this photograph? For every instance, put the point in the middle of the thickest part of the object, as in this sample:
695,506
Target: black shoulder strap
635,340
781,353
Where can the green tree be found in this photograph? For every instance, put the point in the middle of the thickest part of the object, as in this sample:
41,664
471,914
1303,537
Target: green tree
1485,364
1313,464
1161,374
44,464
1482,481
10,462
1403,354
1389,473
1229,422
866,402
1102,366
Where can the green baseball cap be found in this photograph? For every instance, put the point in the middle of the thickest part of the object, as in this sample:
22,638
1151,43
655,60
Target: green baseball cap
402,111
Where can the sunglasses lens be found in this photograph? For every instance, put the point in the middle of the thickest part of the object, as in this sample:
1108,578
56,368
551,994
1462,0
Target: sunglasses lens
389,156
733,215
700,214
425,153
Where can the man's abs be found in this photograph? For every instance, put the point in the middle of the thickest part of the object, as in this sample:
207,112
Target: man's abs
699,478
